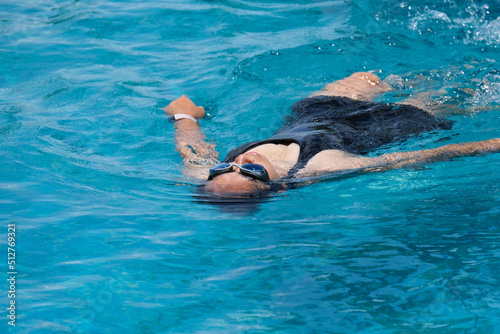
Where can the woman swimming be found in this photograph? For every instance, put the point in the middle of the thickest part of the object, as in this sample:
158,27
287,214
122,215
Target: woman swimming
330,131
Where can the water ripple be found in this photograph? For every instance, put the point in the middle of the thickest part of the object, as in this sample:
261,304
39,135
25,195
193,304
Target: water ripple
109,234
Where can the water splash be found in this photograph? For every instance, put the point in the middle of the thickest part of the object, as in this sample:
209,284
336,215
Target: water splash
488,92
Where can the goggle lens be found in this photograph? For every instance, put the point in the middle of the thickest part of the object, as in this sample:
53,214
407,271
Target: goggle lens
255,171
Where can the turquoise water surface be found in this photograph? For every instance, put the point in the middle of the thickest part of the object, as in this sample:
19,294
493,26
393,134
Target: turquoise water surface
109,238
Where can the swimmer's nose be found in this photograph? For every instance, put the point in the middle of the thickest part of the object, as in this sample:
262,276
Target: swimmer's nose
244,159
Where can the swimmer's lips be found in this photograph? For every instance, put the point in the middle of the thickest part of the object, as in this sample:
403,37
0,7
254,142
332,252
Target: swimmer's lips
254,153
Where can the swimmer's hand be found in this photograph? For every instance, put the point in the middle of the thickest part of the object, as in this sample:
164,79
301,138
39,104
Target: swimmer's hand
183,105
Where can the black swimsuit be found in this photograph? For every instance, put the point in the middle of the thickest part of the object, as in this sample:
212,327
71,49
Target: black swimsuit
340,123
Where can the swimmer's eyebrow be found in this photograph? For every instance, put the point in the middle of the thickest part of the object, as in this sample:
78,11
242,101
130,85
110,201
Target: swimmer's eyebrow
254,181
251,179
246,177
259,184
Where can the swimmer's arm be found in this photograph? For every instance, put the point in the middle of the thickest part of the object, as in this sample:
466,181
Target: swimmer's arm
362,86
329,161
443,153
196,152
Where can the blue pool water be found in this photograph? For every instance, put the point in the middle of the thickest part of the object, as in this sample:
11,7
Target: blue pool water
108,237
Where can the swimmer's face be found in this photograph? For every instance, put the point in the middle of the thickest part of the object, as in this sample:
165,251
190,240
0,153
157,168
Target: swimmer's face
235,183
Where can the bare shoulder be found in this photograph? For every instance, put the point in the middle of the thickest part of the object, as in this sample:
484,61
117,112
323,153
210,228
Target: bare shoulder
333,161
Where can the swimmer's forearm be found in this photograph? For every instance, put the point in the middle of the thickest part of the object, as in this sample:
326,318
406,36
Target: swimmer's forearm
191,142
190,139
444,153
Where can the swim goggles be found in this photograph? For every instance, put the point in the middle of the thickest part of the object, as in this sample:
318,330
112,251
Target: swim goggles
254,171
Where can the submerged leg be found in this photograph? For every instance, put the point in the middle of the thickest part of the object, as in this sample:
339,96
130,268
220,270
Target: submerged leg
362,86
